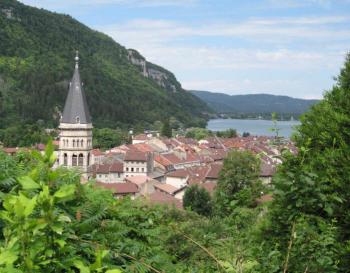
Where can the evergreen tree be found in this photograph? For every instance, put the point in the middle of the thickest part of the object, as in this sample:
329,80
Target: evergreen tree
166,129
197,199
312,189
238,182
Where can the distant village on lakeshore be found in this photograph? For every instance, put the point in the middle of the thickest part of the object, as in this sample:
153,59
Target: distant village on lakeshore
156,168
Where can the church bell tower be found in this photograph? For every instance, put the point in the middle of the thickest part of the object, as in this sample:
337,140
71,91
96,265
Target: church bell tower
75,127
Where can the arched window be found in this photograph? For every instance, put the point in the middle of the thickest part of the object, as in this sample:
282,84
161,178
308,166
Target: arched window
81,160
77,119
74,160
65,159
81,143
88,159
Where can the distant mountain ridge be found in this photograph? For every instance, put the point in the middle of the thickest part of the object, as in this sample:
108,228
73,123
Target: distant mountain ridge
254,103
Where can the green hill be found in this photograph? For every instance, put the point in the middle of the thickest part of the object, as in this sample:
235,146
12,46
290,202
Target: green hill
37,49
254,103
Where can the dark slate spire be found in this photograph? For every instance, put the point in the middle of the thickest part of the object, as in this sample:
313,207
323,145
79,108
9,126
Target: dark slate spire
76,109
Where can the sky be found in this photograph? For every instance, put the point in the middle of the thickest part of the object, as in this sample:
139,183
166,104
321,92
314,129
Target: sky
281,47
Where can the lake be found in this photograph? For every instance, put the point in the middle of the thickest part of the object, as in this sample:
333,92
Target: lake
254,127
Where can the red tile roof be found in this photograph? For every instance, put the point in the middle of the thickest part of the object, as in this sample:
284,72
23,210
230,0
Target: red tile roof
119,188
198,174
116,167
138,179
181,173
10,150
171,157
163,198
96,152
143,147
166,188
135,156
162,160
214,171
209,186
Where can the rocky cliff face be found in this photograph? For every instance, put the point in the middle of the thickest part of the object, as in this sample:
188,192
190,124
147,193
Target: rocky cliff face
161,76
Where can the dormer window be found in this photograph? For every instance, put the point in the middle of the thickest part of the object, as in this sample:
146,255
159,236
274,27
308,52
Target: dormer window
77,119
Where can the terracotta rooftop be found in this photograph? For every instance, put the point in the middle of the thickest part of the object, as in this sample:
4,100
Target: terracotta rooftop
119,188
96,152
138,179
135,156
209,186
116,167
214,171
198,174
162,160
11,150
166,188
165,199
181,173
171,157
143,147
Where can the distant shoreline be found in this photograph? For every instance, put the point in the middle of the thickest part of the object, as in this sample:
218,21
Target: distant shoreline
260,127
252,118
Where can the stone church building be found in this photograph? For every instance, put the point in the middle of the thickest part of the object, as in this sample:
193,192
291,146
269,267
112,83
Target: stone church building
75,140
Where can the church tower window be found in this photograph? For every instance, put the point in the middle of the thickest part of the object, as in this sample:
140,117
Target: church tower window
81,160
65,159
74,160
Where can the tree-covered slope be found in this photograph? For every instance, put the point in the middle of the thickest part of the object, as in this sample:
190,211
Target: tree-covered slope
37,49
255,103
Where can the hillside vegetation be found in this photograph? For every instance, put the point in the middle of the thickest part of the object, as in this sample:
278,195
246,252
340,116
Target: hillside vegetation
258,104
37,61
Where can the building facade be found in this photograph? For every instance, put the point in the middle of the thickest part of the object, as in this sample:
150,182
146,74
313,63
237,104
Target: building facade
75,142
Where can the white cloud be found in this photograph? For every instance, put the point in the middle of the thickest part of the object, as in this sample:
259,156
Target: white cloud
208,66
268,30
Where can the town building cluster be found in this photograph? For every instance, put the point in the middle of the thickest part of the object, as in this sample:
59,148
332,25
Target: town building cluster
152,167
160,169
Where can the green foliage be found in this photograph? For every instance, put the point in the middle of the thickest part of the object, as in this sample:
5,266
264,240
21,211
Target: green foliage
198,133
107,138
198,200
36,64
311,188
245,134
23,135
238,183
227,133
166,129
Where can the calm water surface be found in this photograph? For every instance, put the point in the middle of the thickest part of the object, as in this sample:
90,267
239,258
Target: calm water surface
254,127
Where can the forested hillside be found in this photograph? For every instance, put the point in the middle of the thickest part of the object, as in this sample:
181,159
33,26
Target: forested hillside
254,103
37,50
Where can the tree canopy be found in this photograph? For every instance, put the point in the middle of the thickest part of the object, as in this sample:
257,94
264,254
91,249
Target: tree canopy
198,200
